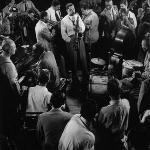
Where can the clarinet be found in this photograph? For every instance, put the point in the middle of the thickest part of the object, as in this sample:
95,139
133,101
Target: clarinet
78,35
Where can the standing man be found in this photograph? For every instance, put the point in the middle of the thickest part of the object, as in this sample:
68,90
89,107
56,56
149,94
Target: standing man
51,124
26,5
8,8
54,14
108,19
72,27
10,90
129,23
29,15
109,14
77,134
113,119
91,22
45,40
4,25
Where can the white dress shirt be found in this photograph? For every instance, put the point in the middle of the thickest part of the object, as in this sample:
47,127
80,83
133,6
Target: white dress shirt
132,15
43,35
38,99
51,14
67,26
76,135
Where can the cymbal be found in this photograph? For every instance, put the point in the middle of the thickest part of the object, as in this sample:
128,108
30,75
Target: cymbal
98,61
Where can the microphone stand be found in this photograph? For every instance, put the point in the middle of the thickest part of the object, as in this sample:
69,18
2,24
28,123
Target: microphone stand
89,62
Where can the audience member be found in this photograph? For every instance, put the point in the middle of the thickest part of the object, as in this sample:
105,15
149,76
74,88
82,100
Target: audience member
39,96
113,119
51,124
108,19
10,89
77,134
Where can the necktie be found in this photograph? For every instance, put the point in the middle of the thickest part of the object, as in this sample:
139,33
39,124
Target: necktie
57,17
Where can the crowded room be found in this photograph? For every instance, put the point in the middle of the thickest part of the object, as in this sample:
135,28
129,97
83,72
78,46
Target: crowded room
75,75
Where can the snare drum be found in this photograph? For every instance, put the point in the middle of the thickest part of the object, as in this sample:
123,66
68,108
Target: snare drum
98,84
98,63
129,66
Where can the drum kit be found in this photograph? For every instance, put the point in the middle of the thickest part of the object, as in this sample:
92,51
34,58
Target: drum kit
99,75
129,66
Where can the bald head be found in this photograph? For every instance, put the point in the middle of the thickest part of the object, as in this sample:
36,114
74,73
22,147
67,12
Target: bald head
9,46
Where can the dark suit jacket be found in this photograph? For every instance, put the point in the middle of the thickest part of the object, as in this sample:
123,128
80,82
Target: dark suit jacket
109,22
50,127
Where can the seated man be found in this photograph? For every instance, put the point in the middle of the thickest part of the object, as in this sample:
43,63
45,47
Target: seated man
39,96
51,124
113,119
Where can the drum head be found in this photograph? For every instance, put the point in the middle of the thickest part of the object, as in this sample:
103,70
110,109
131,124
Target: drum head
98,61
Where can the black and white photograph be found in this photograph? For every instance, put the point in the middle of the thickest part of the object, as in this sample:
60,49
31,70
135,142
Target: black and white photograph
74,74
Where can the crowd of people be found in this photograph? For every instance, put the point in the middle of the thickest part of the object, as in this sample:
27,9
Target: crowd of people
61,44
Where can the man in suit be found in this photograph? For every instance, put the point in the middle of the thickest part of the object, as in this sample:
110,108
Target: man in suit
109,14
108,20
54,14
45,37
71,27
51,124
7,8
28,16
26,5
10,90
143,103
4,25
91,22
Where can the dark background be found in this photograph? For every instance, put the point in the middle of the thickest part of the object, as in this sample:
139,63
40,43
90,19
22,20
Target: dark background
42,5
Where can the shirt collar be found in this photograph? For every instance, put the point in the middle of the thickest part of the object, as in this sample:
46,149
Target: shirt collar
113,102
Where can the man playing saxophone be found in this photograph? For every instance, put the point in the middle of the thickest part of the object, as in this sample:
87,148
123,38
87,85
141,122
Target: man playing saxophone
72,28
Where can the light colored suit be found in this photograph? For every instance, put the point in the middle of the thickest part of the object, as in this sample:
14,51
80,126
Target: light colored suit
91,21
43,35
